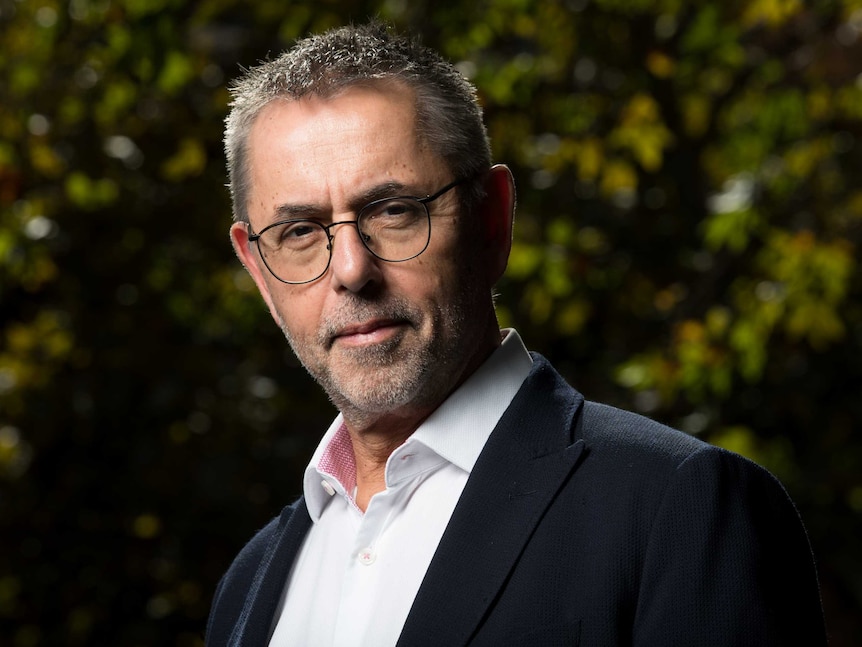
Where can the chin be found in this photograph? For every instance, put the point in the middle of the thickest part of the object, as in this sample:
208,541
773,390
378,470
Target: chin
385,389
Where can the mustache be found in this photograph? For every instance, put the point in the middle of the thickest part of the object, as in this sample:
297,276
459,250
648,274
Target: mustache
357,310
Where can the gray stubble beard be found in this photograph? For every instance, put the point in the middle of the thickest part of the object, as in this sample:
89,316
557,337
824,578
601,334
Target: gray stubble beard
410,378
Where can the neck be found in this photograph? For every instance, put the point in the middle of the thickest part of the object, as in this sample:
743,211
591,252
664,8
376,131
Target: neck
371,449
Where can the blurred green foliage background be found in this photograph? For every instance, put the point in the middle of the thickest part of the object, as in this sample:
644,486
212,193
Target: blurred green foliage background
687,246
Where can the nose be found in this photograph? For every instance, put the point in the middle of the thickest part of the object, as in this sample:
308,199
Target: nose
352,266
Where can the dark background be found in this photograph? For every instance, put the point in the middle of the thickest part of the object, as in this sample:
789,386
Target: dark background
687,245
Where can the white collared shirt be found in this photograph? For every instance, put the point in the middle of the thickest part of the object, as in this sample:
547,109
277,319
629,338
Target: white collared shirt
356,575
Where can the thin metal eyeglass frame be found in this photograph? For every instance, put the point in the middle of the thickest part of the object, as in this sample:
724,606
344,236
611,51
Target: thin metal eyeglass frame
255,238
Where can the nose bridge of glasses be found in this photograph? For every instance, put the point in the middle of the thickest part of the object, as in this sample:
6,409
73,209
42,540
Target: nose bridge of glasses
331,235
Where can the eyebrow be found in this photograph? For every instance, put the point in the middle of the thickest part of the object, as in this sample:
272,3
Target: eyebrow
380,191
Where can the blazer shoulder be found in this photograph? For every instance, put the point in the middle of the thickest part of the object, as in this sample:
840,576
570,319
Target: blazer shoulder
618,439
234,586
627,434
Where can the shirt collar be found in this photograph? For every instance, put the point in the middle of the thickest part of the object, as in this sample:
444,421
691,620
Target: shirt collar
459,428
456,431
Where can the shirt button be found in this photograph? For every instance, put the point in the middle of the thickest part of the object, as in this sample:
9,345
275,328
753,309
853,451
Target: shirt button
328,487
367,556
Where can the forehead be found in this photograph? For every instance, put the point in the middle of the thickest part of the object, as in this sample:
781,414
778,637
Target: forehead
370,125
324,154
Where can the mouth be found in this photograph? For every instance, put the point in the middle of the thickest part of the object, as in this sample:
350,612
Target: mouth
370,332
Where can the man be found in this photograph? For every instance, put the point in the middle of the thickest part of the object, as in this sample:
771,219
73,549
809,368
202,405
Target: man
465,494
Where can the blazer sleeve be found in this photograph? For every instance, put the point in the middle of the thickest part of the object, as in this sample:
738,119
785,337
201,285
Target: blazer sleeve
727,561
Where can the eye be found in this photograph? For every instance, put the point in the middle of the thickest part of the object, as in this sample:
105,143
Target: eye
294,235
299,229
392,213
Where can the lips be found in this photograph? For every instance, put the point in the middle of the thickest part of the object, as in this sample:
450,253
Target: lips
362,322
367,331
364,328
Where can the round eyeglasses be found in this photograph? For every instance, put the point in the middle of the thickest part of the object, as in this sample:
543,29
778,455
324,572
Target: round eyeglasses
392,229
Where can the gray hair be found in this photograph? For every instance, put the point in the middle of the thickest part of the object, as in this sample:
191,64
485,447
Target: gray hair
448,116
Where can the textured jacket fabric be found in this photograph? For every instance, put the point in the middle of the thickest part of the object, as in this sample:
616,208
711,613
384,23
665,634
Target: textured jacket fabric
582,524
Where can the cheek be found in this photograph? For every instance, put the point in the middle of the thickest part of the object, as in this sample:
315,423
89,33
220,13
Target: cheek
432,278
297,310
450,251
420,283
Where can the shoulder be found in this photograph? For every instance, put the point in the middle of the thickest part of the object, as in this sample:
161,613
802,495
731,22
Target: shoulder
246,562
623,431
628,435
235,584
628,443
626,449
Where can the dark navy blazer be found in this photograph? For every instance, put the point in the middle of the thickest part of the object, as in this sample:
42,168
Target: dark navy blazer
582,524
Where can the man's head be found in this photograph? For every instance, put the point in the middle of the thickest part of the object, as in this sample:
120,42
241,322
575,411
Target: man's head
448,116
386,340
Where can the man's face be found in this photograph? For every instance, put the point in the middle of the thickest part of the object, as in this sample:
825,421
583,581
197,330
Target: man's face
381,338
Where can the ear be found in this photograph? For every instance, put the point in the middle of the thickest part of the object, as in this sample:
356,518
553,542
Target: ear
496,214
250,258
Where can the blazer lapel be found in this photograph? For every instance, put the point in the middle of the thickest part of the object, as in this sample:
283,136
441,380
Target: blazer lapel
527,459
255,622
